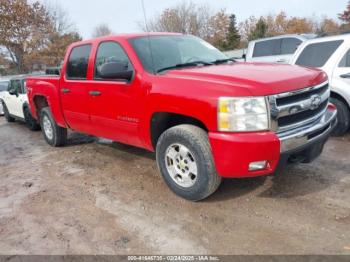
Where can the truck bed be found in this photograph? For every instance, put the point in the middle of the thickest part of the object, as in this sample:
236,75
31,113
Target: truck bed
39,87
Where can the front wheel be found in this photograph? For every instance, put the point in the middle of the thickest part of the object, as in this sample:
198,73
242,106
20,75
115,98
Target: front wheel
54,135
185,161
343,117
7,115
30,121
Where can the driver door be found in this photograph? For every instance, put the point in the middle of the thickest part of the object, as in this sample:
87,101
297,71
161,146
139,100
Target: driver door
115,104
340,80
13,100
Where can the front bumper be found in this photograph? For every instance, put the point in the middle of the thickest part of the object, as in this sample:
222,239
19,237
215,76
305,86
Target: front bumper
233,152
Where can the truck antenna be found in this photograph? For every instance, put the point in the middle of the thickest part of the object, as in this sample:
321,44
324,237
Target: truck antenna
148,34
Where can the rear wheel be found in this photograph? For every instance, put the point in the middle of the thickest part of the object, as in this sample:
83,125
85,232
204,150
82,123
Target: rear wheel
31,123
7,115
54,135
186,163
343,117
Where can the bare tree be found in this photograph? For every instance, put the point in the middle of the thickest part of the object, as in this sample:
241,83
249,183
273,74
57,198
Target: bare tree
190,18
33,33
328,26
24,28
102,30
60,18
186,17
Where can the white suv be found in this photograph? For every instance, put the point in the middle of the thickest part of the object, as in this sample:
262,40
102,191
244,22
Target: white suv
278,49
332,55
3,88
15,103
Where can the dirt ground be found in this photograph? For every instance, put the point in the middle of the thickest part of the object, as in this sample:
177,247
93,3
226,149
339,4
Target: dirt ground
97,197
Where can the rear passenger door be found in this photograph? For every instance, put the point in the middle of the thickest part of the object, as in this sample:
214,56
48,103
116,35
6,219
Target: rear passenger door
74,89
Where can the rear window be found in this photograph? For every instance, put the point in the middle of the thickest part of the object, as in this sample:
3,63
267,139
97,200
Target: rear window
317,55
78,62
3,86
289,45
267,48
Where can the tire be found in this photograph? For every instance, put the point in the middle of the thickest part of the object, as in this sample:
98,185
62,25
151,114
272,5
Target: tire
54,135
31,123
343,117
7,115
1,109
192,144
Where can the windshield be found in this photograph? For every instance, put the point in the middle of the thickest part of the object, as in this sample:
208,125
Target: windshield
3,85
170,51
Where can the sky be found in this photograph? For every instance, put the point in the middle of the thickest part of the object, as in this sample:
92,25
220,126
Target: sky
123,16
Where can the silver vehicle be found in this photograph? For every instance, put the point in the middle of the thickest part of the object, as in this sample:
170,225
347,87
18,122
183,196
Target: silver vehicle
278,49
3,88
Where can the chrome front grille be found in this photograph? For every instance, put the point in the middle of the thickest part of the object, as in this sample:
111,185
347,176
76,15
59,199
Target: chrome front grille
298,108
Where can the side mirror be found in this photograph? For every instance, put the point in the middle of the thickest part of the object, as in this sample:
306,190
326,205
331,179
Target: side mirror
116,70
13,92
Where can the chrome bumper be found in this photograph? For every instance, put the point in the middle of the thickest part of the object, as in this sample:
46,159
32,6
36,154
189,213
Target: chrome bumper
302,136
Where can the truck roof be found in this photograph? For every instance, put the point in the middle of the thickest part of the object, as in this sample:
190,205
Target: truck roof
345,37
300,36
125,36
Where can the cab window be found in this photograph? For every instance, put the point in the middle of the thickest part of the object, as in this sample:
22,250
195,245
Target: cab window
24,86
16,86
289,45
317,54
267,48
78,62
345,62
110,52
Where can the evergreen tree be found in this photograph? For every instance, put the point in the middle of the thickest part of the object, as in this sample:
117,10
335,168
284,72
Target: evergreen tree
233,37
260,30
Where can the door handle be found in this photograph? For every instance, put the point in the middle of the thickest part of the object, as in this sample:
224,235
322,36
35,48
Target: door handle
282,61
345,75
94,93
65,90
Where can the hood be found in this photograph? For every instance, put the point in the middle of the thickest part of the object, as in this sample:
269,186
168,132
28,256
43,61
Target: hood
259,78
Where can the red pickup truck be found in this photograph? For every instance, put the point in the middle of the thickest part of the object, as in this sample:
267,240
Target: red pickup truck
205,115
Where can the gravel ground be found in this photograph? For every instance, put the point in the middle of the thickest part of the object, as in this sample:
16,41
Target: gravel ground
97,197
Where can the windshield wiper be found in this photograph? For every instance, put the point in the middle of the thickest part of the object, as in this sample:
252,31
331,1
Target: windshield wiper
222,61
195,63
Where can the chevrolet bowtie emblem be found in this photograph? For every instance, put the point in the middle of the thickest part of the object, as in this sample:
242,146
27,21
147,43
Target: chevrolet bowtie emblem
315,102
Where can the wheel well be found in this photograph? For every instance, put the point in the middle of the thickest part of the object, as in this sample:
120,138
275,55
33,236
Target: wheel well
163,121
339,97
40,102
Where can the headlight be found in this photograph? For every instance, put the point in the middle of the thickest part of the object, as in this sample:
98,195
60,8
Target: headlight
242,114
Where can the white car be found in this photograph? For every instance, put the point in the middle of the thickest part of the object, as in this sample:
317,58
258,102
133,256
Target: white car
278,49
332,55
15,103
3,88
